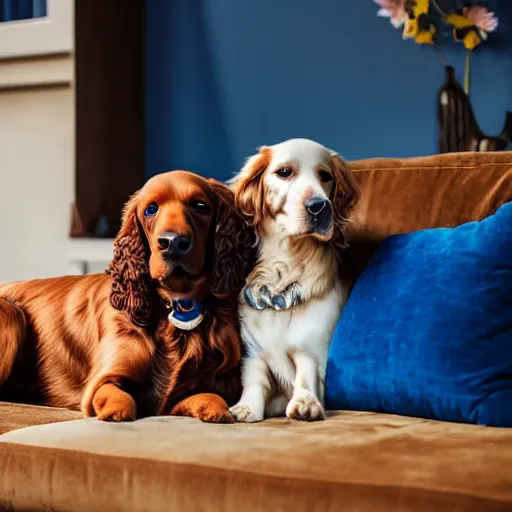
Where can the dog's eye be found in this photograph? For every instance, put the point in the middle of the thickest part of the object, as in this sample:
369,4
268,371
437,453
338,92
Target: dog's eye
200,206
325,176
285,172
151,210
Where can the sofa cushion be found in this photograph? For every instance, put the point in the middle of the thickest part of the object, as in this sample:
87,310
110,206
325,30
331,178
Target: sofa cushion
15,416
351,461
399,195
427,330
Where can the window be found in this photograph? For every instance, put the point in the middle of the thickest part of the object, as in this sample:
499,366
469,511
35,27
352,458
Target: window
14,10
30,28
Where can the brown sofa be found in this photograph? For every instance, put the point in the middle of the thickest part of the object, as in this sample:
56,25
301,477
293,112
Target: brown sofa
354,461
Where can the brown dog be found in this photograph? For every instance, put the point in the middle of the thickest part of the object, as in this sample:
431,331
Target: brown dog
156,330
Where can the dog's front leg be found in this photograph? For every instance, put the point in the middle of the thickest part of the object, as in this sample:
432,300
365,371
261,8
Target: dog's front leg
119,360
256,388
305,404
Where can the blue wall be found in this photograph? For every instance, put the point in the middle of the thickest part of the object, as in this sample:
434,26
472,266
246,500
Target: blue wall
226,76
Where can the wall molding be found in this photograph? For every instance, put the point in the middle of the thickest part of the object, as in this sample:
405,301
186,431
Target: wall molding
57,70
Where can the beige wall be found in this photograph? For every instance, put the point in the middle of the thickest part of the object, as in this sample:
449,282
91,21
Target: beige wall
37,150
36,180
37,131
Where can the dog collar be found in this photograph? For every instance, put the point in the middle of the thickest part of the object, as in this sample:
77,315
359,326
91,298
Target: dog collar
186,314
263,298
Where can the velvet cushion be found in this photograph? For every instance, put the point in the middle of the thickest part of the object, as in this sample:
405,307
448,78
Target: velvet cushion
353,461
427,330
15,416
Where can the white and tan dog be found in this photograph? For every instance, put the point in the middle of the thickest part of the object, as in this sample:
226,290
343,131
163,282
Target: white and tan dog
297,195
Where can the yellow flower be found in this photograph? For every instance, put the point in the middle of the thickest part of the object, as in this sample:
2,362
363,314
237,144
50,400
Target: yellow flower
415,8
418,25
471,40
471,27
410,29
426,36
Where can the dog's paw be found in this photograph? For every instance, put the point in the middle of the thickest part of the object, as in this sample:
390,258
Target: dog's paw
215,412
207,407
217,417
246,413
305,406
119,406
126,411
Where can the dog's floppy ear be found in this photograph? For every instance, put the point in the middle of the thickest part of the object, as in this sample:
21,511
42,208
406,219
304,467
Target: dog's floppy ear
234,244
248,187
129,268
344,197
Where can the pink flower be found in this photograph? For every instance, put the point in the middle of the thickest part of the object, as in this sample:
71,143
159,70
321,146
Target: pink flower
480,16
393,9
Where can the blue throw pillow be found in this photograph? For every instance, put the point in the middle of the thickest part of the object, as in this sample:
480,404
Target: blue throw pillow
427,330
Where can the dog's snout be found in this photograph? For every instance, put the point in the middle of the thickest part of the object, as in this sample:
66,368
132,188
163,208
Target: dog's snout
174,244
316,205
320,215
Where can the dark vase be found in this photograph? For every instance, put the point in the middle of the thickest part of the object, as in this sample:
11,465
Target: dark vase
457,124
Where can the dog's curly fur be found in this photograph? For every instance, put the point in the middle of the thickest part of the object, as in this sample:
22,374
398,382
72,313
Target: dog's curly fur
103,343
131,287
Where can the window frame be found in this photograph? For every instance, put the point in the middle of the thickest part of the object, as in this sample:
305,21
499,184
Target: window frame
47,35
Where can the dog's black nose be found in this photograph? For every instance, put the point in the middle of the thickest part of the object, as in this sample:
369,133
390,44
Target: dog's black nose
316,205
174,244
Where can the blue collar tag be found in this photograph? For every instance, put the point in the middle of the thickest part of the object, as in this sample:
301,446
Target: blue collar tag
186,314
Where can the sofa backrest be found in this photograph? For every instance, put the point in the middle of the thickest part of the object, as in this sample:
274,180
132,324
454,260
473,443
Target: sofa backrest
403,195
